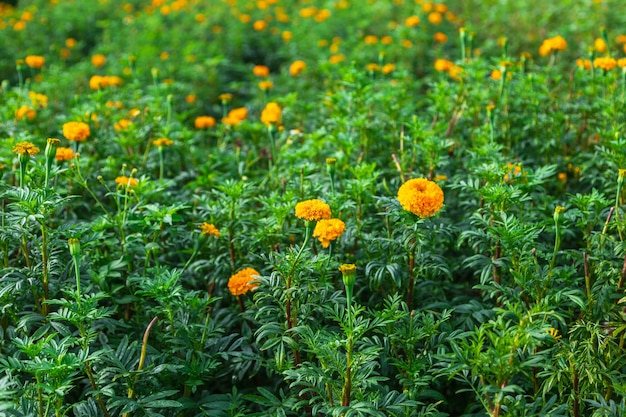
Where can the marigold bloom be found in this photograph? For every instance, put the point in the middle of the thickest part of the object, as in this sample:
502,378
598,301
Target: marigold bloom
605,63
243,281
208,229
327,230
25,112
271,114
160,142
98,60
123,180
421,197
25,148
266,85
296,68
236,116
76,131
313,210
64,154
261,71
35,61
204,122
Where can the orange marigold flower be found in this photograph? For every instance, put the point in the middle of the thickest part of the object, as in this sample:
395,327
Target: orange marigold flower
35,61
25,148
312,210
243,281
123,180
98,60
271,114
327,230
421,197
204,122
261,71
160,142
64,154
76,131
208,229
297,67
25,112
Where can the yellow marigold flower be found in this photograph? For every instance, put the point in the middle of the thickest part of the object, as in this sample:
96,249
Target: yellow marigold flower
25,148
204,122
271,114
435,18
208,229
261,71
583,63
440,37
243,281
296,68
412,21
160,142
605,63
122,124
443,65
236,116
266,85
98,60
327,230
25,112
76,131
313,210
123,180
35,61
64,154
421,197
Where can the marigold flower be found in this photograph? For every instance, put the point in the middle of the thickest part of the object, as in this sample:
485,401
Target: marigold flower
327,230
25,148
266,85
76,131
160,142
204,122
296,68
421,197
271,114
412,21
123,180
236,116
313,210
261,71
25,112
64,154
98,60
243,281
35,61
208,229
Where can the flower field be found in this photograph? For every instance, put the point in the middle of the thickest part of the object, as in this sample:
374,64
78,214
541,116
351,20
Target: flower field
312,208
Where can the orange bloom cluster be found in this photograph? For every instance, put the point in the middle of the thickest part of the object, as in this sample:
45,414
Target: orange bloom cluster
243,281
97,82
271,114
123,180
204,122
421,197
208,229
76,131
236,116
296,68
64,154
25,148
327,230
605,63
313,210
551,45
35,61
